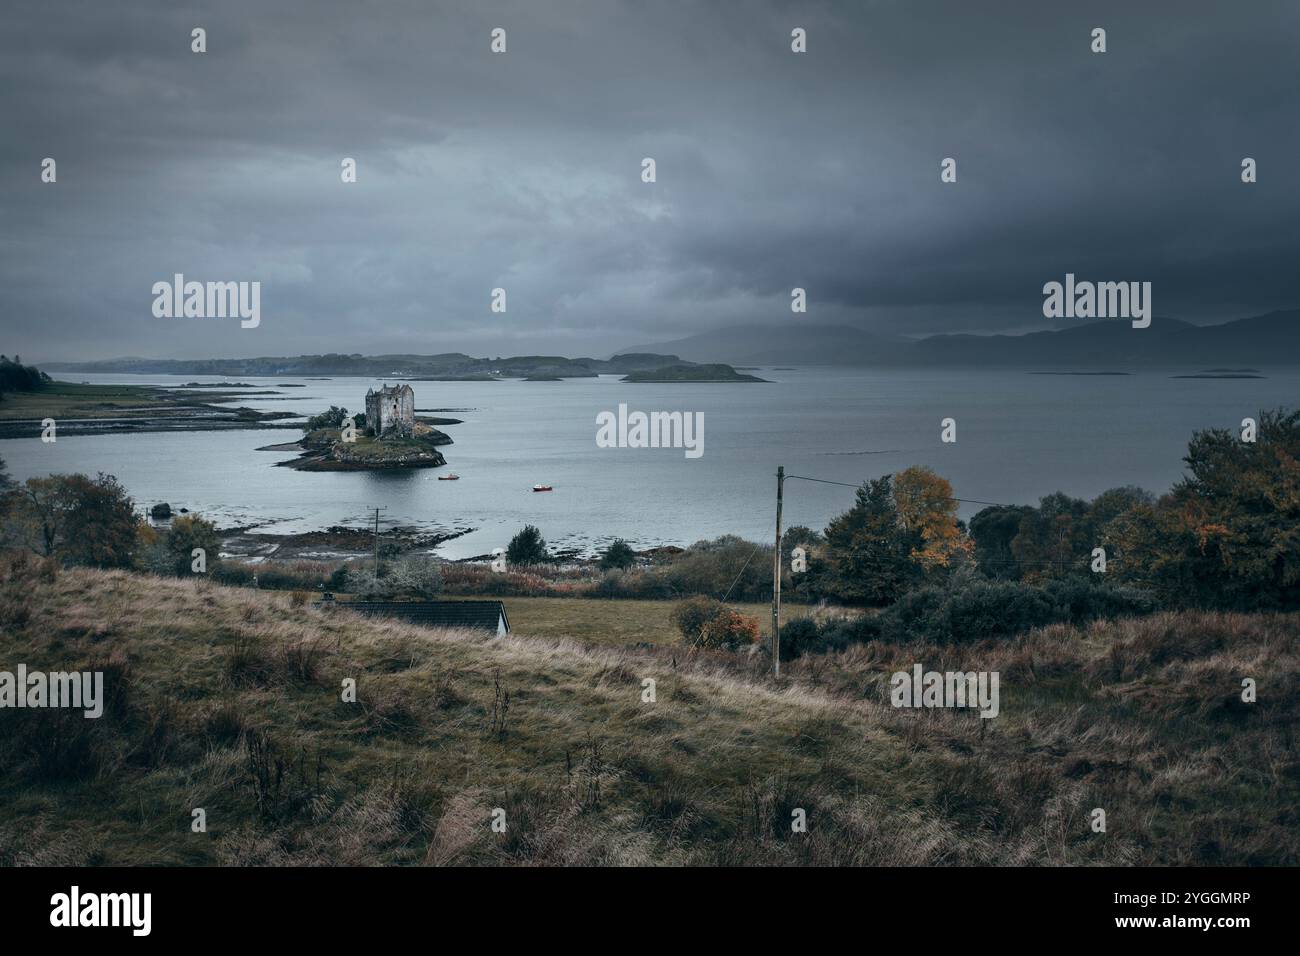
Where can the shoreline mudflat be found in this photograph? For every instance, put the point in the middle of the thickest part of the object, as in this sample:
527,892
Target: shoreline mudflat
335,543
124,409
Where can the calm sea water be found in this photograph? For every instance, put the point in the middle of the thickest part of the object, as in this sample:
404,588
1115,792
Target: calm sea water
1019,436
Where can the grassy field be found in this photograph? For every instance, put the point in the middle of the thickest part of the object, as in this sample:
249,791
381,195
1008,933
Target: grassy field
69,400
616,623
229,700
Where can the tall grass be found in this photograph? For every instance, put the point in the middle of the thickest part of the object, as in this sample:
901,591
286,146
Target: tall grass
230,700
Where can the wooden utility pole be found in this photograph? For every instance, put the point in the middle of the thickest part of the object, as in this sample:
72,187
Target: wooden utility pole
776,577
377,510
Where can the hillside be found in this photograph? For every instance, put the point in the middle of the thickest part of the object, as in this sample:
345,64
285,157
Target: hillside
442,367
229,700
792,343
1272,339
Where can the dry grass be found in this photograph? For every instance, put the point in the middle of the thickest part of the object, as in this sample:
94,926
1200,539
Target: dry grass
229,700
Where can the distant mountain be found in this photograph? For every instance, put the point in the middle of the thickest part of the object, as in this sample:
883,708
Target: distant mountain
1272,339
786,344
447,365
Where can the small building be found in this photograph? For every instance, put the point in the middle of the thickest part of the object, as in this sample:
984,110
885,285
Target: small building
473,615
390,412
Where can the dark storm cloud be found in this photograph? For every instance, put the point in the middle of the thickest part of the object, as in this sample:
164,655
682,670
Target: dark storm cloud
523,170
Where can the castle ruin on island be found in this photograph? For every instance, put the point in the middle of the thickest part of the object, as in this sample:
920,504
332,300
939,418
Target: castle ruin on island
390,412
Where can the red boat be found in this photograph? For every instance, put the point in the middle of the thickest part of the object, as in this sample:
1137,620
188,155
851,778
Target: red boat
449,477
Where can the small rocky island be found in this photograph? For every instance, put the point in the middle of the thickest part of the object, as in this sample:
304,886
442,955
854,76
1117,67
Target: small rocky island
387,436
691,373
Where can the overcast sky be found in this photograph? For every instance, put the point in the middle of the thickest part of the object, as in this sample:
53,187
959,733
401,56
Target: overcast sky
523,170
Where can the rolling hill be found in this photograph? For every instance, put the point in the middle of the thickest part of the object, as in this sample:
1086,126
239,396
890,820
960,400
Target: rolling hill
1272,339
230,700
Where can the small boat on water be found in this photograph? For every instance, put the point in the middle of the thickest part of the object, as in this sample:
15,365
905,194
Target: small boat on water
542,488
449,477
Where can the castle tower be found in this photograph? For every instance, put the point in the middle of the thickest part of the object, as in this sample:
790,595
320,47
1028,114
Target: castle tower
390,412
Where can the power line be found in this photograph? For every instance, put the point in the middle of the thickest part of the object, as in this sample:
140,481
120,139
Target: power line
845,484
757,548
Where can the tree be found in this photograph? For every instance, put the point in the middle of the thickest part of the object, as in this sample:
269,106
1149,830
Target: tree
1055,540
797,536
1159,552
6,483
101,529
330,419
1241,503
1228,534
927,508
38,510
619,554
527,547
869,550
17,377
187,533
1109,505
75,518
993,529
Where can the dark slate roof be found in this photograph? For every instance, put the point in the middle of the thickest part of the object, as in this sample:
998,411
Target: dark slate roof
479,615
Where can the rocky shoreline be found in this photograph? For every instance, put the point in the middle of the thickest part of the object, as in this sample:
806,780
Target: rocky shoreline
337,458
334,543
330,454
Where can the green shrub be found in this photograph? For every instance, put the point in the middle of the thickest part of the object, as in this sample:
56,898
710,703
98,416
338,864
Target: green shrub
799,637
728,565
979,610
806,635
1087,601
693,615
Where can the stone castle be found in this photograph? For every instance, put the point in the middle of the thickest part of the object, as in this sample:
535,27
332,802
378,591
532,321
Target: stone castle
390,412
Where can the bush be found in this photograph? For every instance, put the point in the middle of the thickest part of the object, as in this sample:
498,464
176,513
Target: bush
798,637
363,582
731,629
78,519
1086,601
706,622
416,576
991,609
726,564
693,615
838,634
233,573
187,533
281,576
338,579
